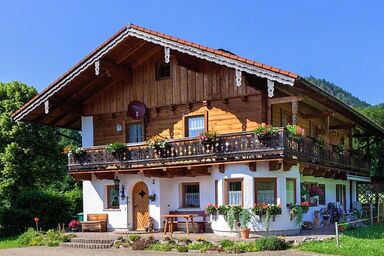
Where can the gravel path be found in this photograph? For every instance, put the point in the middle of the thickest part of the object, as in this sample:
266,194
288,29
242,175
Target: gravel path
58,251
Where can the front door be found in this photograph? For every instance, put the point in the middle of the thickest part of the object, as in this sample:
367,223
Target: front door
140,206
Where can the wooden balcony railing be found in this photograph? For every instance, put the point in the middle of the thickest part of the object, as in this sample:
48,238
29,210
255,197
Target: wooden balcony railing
229,147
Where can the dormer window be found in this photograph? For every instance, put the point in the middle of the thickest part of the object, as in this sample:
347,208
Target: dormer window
163,71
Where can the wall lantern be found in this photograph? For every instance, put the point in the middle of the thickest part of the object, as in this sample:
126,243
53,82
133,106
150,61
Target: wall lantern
121,190
119,127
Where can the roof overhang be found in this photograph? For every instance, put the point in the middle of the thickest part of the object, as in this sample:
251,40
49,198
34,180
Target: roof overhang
231,61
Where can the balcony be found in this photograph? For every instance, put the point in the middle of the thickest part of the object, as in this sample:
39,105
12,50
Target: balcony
234,147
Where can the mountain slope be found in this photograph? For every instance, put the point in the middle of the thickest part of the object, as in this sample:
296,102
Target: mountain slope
339,92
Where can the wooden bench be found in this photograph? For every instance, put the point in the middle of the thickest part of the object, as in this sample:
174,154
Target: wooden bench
95,222
196,214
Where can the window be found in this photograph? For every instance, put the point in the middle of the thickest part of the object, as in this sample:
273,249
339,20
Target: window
306,197
163,71
340,195
233,192
290,191
265,190
216,192
194,125
191,195
112,197
135,133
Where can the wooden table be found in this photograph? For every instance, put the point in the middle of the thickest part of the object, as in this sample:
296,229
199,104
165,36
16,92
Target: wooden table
170,218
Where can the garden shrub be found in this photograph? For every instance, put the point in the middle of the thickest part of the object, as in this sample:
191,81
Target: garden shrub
134,237
51,207
271,243
226,243
200,246
161,247
34,238
182,248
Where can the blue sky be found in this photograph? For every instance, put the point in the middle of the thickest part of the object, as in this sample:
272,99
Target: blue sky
342,41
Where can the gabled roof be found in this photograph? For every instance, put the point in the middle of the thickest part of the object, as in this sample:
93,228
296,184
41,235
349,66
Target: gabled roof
175,44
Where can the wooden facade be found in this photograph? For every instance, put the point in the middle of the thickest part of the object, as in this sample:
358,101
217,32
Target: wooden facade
233,94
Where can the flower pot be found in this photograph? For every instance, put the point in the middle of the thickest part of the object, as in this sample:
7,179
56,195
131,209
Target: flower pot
244,233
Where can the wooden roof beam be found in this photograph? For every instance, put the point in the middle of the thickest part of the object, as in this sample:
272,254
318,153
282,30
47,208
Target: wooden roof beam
342,126
317,115
116,71
287,99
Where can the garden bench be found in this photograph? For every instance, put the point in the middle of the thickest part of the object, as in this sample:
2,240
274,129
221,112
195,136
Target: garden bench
95,222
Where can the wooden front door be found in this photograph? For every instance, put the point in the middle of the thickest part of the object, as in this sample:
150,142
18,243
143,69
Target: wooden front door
140,205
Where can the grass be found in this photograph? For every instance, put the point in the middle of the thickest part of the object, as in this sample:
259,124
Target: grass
10,242
363,241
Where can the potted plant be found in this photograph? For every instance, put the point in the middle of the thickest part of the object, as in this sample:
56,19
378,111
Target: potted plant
233,215
296,211
321,141
160,145
208,139
305,206
222,210
78,153
273,210
211,209
118,150
340,148
244,219
295,132
259,210
265,133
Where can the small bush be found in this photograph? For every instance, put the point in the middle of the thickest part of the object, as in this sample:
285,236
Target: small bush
271,243
134,237
182,248
35,238
185,240
200,246
226,243
161,247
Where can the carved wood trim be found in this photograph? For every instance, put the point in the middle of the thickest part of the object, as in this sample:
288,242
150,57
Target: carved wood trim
275,165
287,165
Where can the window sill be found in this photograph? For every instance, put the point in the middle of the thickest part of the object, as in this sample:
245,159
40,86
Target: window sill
111,210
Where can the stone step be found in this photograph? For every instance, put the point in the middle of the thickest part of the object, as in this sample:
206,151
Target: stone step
80,240
86,245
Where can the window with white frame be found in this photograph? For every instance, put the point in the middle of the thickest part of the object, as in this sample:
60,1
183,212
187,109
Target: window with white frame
265,189
194,125
233,192
191,195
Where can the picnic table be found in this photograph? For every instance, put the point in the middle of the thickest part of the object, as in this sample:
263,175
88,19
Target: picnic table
170,219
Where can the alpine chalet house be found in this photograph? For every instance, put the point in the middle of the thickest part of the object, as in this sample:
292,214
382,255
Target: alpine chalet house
201,126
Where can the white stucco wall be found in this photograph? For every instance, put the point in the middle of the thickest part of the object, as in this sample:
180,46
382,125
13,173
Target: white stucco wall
87,131
169,193
282,221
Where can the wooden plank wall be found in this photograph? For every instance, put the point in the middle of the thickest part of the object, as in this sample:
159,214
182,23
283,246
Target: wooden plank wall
233,116
210,83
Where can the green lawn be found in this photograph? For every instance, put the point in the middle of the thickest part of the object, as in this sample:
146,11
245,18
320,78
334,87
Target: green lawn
362,242
9,242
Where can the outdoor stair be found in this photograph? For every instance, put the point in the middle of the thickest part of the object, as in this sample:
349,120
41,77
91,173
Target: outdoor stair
88,243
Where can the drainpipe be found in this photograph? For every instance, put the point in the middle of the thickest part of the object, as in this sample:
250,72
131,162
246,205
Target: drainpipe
128,223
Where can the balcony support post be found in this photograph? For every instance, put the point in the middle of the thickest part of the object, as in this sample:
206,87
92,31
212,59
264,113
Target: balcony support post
295,110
